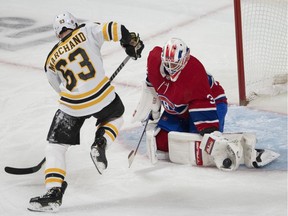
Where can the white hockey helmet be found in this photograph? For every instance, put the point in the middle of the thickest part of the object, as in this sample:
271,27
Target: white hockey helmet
175,55
64,20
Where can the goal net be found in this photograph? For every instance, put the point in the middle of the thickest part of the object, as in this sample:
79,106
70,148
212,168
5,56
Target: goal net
261,33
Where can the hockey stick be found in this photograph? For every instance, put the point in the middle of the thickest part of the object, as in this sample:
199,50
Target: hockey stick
119,68
29,170
24,171
132,154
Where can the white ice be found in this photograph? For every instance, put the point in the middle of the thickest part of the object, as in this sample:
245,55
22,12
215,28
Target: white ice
28,103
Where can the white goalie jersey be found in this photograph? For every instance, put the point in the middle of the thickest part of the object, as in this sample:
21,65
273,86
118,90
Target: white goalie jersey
75,69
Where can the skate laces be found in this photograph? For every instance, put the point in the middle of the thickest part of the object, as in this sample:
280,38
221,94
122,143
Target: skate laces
99,143
52,191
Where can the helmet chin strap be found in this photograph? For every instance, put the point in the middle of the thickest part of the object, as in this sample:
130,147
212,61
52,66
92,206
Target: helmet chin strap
166,74
164,70
175,76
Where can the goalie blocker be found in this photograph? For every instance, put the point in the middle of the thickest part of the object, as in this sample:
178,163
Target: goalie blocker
211,150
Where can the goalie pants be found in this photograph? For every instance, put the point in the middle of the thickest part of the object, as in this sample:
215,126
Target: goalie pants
175,123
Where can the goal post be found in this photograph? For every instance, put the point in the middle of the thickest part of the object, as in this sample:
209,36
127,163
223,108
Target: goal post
261,46
239,50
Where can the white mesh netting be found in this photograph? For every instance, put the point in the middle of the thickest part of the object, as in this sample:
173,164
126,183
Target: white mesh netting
264,29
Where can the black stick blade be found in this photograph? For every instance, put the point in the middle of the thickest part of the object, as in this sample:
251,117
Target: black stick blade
24,171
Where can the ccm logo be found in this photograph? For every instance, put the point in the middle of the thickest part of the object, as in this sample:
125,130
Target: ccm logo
198,153
209,145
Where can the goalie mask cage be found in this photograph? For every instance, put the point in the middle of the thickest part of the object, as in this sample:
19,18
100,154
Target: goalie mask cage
261,42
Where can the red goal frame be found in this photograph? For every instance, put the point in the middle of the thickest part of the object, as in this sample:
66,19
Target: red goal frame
239,51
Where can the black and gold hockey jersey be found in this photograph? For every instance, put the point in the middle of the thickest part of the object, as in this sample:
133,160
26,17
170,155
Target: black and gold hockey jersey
75,70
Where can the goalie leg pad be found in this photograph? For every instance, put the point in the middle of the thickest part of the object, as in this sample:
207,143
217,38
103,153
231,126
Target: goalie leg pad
153,154
221,148
256,158
151,146
184,148
248,143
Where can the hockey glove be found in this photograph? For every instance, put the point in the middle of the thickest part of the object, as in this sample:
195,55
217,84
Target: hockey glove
134,47
148,102
208,130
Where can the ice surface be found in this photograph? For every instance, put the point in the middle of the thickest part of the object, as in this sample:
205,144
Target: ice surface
28,103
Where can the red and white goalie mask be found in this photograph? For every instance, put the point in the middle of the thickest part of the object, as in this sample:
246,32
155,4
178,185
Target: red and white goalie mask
175,55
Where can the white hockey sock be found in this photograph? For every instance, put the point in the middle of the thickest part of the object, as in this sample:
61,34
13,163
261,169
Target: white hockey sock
55,170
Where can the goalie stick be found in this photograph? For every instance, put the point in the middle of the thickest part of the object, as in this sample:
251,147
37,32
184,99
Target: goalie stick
132,154
30,170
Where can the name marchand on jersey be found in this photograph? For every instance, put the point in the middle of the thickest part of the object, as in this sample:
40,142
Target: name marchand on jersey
95,98
63,47
110,31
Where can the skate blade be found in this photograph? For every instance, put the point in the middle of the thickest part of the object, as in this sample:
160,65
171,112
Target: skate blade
99,165
37,207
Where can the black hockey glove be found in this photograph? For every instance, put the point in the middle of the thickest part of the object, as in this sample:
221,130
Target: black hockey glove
208,130
134,47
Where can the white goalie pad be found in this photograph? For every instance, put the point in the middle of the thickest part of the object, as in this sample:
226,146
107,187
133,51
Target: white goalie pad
148,101
221,148
248,143
151,148
184,148
212,149
253,157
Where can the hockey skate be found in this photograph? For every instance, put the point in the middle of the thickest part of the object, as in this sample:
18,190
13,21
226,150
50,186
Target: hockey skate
49,202
264,157
98,154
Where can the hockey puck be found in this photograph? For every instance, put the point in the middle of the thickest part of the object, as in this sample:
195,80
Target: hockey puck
227,163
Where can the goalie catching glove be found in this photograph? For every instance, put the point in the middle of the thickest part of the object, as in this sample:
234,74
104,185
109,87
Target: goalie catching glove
133,45
149,101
